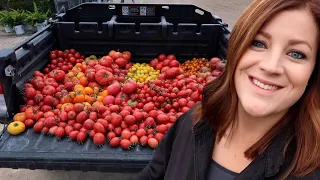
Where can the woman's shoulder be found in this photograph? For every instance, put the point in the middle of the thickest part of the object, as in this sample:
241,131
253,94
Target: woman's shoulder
314,175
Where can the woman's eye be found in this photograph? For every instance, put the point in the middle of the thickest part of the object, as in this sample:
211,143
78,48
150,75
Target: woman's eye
258,44
297,55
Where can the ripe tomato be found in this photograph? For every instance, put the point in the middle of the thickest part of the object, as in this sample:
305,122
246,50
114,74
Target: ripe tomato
68,129
125,144
88,124
99,139
20,117
45,130
134,140
111,135
73,135
38,126
125,134
159,137
60,132
53,56
30,93
153,142
81,137
49,90
77,126
161,128
103,77
129,120
52,130
143,140
29,122
114,142
99,128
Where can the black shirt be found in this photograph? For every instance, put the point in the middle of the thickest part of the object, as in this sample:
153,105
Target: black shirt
216,171
185,153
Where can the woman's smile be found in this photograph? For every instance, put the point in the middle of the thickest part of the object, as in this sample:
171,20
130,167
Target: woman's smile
264,86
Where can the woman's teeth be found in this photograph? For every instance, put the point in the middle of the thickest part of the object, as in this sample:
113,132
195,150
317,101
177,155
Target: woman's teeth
264,86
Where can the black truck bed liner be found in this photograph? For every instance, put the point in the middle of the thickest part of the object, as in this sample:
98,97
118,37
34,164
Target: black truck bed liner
32,150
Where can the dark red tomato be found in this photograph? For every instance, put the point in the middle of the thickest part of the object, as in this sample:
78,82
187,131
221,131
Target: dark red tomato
53,56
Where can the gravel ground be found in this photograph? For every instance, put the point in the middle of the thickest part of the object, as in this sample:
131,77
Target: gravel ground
8,40
229,11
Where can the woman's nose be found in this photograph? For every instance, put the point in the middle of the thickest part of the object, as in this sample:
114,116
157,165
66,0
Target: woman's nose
272,64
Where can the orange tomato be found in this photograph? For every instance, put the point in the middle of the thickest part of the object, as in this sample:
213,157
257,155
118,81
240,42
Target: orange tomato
78,64
84,81
76,69
104,93
70,74
79,98
78,86
67,98
88,90
97,103
72,94
80,75
79,91
89,99
96,90
83,67
20,117
100,98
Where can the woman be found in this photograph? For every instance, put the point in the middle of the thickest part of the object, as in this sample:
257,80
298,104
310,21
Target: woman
261,118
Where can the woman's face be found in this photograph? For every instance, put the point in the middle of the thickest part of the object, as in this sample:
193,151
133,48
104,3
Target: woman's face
274,71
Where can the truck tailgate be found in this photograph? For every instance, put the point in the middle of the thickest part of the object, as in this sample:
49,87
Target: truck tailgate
31,150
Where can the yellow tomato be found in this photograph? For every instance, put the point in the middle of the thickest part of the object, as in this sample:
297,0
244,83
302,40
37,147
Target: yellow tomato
16,127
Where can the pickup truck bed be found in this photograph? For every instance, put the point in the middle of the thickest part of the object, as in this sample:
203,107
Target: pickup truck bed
184,30
31,150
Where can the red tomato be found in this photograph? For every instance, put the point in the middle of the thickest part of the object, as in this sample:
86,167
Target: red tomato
103,77
114,142
73,135
125,144
99,139
81,137
60,132
29,122
153,142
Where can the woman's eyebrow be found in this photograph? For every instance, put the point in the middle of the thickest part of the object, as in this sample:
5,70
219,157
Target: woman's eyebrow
297,41
291,41
265,34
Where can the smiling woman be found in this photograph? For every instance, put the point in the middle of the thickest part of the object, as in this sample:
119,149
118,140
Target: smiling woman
260,119
270,86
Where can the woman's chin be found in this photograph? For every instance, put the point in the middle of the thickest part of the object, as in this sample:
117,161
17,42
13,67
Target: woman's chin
256,110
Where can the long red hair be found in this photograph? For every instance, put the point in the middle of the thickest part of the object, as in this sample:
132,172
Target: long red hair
220,101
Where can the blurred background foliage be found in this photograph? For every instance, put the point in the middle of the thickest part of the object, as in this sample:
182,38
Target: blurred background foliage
43,5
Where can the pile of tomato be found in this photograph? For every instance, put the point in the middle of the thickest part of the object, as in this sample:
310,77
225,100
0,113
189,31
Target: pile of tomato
98,99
